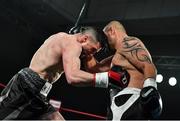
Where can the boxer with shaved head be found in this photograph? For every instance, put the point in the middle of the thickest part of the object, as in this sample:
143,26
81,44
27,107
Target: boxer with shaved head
139,98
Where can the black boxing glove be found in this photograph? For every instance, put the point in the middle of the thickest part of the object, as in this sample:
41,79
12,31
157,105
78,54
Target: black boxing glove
105,51
150,98
116,78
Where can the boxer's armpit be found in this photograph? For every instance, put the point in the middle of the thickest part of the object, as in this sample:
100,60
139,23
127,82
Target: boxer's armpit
133,47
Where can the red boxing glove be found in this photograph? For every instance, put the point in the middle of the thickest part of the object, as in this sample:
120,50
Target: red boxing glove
116,77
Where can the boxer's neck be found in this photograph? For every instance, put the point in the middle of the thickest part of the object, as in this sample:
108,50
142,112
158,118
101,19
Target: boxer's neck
119,39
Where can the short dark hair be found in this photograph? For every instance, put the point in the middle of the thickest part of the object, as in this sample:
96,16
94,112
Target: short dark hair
92,31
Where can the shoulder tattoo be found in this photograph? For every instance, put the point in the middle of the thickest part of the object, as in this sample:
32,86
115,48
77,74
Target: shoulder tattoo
133,46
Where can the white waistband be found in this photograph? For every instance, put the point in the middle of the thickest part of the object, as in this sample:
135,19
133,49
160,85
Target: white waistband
129,90
46,89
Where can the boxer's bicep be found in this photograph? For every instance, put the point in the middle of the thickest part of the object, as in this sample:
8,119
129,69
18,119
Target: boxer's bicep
74,75
71,61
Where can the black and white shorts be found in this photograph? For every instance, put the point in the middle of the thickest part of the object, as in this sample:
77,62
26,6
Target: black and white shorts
126,105
25,97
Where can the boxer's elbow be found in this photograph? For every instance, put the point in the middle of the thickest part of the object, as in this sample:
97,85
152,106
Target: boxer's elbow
72,79
150,71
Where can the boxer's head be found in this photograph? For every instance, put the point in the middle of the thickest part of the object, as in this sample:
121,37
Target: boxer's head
112,30
89,39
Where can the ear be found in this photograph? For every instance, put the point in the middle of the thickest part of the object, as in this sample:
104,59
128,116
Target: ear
111,30
85,38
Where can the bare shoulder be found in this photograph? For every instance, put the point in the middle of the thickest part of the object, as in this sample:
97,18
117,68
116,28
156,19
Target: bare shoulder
56,41
61,34
133,47
132,42
58,36
70,43
64,41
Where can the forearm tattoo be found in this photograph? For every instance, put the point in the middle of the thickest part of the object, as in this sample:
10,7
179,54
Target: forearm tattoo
132,46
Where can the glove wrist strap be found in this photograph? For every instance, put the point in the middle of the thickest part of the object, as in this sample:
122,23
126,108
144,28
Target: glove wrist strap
101,80
150,82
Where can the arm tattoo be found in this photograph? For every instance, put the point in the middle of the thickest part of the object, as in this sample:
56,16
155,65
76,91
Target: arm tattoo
131,45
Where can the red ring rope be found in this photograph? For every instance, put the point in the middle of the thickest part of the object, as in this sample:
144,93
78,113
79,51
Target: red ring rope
2,85
82,113
71,110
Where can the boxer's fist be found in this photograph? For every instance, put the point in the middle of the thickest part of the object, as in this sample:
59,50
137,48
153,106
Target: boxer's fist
151,101
116,78
105,51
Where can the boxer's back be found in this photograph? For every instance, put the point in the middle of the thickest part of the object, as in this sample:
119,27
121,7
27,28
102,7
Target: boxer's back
136,76
47,61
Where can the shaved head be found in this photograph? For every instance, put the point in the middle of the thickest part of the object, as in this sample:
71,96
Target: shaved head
115,24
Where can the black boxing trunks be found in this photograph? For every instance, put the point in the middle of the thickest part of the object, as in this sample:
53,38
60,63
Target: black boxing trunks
126,105
25,97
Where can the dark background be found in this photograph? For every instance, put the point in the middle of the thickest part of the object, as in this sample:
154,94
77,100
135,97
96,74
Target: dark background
25,24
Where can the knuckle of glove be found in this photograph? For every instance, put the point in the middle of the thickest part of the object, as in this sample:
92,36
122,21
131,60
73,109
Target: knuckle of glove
105,51
123,76
151,101
148,93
